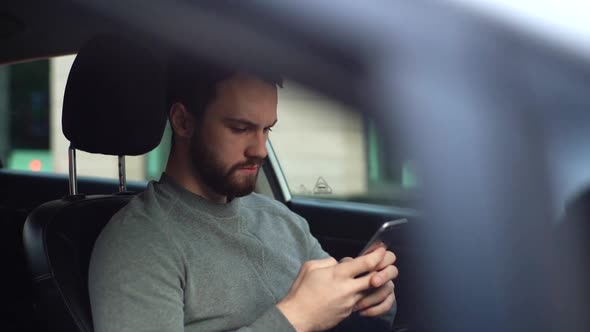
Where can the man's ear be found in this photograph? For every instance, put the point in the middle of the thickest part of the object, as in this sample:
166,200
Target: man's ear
181,120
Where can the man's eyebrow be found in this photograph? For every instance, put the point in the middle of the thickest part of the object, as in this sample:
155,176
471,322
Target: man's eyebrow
246,122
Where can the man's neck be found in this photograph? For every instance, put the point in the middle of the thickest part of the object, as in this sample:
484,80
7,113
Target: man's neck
181,172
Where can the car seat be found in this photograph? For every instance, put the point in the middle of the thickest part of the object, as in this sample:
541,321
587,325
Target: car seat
113,105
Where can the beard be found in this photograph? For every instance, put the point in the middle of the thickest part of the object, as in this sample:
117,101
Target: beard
212,172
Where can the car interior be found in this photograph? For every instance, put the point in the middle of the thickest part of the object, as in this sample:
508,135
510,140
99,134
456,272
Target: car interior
113,105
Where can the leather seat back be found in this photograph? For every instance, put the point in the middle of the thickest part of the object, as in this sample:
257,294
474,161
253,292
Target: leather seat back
60,236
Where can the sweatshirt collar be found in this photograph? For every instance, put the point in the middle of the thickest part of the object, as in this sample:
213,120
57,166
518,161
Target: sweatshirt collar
223,210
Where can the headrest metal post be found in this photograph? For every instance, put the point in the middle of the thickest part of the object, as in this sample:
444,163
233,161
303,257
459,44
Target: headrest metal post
122,177
72,171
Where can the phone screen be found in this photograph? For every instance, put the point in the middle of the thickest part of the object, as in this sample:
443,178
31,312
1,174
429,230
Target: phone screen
383,237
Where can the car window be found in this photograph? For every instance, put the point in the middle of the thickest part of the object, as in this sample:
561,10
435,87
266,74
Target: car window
327,150
31,99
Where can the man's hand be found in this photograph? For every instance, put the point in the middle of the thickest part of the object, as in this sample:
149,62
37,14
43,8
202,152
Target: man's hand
325,291
380,299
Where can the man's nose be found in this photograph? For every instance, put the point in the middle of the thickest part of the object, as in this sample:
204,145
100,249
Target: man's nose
257,146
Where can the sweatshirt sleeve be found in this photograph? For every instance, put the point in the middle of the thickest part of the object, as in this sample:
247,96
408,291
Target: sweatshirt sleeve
313,247
135,280
271,321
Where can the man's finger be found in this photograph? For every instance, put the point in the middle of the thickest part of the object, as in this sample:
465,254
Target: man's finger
361,284
346,259
379,309
375,297
388,259
360,265
382,277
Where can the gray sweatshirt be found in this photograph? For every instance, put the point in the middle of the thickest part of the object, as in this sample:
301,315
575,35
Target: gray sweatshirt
173,261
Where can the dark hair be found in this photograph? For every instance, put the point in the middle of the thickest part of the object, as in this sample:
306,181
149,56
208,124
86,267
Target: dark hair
193,81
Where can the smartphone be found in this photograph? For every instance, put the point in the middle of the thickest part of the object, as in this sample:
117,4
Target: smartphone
383,237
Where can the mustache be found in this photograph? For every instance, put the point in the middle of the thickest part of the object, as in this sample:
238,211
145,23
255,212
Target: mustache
252,162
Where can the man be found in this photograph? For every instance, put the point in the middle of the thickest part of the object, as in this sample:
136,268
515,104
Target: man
198,251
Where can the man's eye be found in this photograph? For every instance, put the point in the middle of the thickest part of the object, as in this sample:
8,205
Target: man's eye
266,130
238,129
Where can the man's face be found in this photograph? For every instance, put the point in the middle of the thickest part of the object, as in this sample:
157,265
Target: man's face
229,143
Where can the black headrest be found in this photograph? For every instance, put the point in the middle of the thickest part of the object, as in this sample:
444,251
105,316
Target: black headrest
115,98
